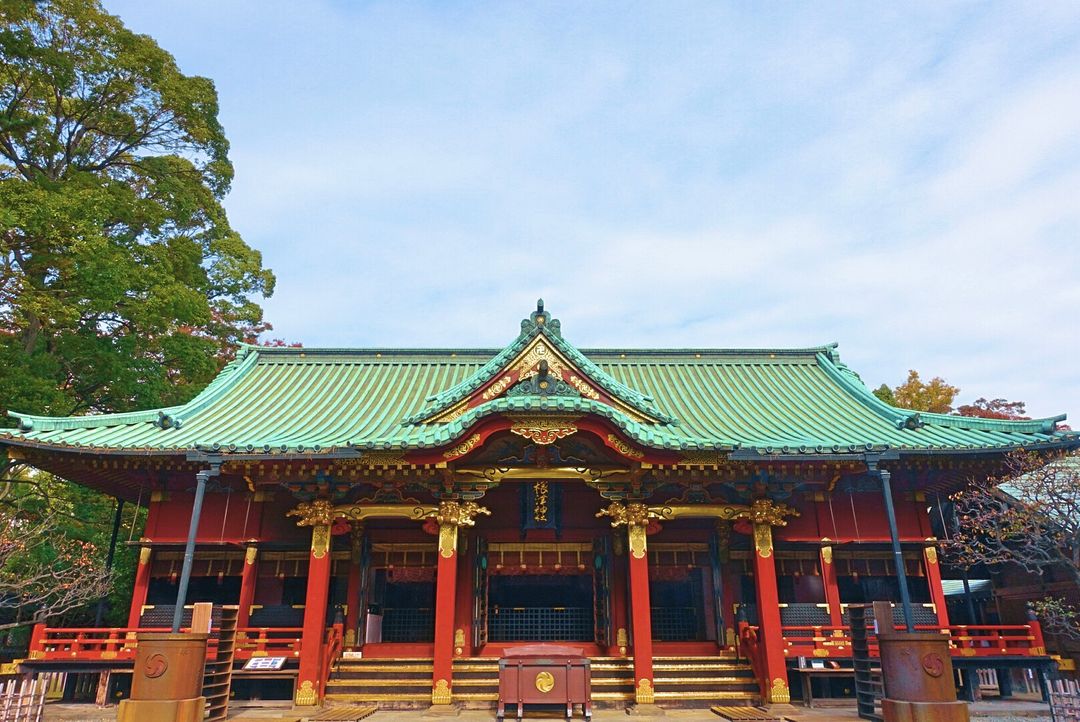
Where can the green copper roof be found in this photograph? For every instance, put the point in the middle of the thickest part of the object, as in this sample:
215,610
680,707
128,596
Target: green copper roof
287,400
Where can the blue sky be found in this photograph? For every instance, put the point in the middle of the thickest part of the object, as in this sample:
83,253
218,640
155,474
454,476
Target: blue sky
902,178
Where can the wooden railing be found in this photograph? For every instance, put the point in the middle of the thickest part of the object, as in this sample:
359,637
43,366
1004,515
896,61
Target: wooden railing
751,647
332,649
86,643
983,640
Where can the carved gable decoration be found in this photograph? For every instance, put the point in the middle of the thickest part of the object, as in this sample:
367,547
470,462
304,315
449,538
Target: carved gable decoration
540,364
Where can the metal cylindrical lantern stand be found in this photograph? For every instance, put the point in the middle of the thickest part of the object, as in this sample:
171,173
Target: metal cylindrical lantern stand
167,679
917,670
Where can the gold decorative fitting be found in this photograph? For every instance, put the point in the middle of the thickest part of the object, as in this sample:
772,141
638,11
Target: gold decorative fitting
463,448
497,388
314,513
305,694
383,458
621,637
320,541
251,555
644,693
931,555
541,429
583,387
633,514
453,514
701,458
766,511
545,682
144,555
459,513
763,540
350,637
459,637
826,555
780,694
624,448
440,693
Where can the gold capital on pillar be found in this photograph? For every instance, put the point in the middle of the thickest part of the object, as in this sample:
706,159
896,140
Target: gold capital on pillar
144,555
320,512
635,516
767,511
250,555
451,515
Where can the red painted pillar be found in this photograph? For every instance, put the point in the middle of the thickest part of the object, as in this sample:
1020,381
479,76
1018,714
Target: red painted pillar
248,575
463,608
142,585
768,602
933,579
640,613
352,592
832,587
442,677
620,618
309,680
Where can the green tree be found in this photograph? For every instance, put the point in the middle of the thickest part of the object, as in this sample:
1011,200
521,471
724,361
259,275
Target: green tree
122,284
884,393
121,280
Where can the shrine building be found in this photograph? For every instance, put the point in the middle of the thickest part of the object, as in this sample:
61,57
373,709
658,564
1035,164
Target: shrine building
390,521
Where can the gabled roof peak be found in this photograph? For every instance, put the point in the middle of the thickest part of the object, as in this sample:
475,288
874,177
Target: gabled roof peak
539,347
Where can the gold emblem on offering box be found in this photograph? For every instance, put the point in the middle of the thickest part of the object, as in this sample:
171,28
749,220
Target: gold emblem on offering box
545,682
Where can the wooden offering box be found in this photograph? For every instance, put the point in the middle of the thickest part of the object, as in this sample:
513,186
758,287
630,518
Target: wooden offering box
545,674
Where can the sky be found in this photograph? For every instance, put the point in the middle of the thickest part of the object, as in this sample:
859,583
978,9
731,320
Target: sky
902,178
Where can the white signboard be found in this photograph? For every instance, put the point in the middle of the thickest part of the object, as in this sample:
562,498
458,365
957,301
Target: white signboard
264,663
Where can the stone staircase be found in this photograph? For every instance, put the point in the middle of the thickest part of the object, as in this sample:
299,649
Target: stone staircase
678,681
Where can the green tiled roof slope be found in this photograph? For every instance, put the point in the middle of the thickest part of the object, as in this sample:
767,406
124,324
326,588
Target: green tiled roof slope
313,400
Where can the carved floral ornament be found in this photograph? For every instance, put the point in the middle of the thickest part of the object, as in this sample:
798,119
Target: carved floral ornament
543,430
772,513
459,513
632,514
320,512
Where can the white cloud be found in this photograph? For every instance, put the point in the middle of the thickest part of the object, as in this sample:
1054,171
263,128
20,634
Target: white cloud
901,179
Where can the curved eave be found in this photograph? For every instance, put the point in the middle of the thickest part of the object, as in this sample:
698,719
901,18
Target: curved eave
246,358
902,418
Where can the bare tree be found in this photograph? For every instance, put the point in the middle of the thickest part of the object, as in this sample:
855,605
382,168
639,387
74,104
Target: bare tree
1030,517
43,572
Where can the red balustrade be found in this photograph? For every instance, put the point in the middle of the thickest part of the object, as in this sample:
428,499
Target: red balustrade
751,647
965,640
91,644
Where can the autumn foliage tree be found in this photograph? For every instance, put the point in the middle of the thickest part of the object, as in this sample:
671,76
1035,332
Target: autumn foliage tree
1028,517
934,395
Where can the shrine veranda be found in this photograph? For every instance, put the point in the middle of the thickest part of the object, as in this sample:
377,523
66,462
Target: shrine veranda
439,506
